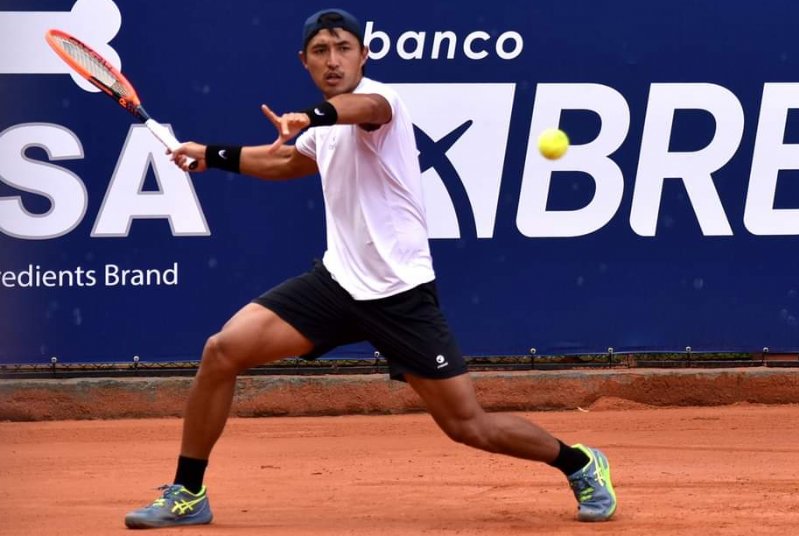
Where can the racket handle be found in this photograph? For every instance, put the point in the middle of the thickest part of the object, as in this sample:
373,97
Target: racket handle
165,136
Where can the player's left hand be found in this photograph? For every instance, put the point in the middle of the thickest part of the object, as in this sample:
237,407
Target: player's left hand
288,125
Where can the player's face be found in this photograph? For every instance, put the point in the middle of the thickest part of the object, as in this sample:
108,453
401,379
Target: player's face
334,59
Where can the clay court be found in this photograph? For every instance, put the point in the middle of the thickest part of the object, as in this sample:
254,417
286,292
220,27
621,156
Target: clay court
691,470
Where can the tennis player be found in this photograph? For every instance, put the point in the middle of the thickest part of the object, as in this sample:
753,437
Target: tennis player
375,281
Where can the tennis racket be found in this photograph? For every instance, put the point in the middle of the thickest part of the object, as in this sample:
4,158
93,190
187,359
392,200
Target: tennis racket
94,68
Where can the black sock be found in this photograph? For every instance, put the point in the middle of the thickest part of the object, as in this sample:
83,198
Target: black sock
190,473
569,460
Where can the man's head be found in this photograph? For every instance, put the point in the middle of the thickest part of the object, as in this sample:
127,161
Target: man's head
333,51
330,19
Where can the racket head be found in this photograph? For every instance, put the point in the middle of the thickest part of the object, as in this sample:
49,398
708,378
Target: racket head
94,68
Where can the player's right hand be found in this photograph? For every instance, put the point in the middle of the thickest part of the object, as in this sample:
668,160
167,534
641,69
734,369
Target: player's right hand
189,149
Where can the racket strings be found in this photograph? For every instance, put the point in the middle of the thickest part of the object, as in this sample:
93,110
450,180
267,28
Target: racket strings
93,66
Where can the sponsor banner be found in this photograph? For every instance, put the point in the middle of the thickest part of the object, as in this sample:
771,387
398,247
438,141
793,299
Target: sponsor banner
672,220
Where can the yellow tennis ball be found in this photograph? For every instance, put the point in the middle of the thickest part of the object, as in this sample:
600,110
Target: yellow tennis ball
553,143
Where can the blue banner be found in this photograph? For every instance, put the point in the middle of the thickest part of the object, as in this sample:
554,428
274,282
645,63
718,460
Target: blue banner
672,220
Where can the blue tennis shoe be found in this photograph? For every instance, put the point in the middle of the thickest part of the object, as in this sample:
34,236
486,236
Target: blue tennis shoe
177,506
592,487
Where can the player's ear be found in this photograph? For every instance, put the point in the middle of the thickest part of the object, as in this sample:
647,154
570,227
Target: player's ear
301,55
364,54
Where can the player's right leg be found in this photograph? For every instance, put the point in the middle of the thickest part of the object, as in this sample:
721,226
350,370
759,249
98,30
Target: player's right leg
253,336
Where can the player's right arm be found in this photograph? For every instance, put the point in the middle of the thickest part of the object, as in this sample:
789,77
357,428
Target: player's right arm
263,161
284,163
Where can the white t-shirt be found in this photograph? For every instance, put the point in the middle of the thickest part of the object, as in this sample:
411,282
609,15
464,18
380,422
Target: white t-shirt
374,211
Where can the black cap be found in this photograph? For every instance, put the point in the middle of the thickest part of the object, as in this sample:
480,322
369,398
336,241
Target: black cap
329,19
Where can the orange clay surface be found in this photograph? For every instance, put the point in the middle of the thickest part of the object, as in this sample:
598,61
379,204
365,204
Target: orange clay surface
706,471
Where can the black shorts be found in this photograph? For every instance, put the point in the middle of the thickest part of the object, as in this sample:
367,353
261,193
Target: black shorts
408,329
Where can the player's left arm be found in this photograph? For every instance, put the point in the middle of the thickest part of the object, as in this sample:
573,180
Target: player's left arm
368,110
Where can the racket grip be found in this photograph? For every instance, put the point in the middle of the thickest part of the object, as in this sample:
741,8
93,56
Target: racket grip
165,136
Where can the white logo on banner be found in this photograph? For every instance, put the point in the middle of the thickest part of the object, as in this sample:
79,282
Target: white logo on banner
125,198
461,133
444,44
96,22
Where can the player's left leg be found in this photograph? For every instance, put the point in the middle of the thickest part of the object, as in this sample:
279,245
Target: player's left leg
454,406
410,330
